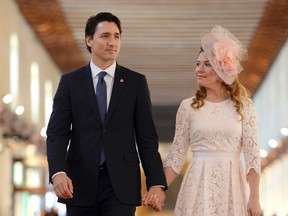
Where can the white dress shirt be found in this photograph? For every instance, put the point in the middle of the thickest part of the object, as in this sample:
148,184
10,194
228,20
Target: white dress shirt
109,78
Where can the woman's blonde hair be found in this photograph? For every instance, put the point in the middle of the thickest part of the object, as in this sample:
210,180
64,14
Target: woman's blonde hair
237,93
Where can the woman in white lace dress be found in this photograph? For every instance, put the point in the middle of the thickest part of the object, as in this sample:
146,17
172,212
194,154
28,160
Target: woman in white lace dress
218,124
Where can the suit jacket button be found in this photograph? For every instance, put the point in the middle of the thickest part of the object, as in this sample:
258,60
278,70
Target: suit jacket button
103,130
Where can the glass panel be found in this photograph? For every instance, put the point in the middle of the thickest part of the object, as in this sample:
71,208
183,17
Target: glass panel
33,177
18,168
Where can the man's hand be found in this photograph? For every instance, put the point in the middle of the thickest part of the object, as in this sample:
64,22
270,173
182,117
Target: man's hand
63,186
155,198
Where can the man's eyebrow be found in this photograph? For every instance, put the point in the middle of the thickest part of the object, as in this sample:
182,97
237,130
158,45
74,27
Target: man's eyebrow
108,33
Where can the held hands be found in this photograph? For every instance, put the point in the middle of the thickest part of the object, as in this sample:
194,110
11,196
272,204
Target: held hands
155,198
63,186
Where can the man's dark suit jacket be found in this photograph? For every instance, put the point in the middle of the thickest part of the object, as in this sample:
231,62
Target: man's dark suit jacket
128,134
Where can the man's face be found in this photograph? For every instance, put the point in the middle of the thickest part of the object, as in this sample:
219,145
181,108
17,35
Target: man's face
106,42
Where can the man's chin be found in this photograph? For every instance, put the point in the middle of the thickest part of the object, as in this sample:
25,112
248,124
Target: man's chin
111,57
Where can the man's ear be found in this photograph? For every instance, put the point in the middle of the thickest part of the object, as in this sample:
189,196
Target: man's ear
88,40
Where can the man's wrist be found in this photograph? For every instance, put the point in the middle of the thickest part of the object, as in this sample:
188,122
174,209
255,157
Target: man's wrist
61,172
159,186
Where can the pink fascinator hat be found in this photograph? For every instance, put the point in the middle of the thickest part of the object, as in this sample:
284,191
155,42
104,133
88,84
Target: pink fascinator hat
224,52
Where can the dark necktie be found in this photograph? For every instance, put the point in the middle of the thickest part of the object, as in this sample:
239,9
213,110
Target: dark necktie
101,93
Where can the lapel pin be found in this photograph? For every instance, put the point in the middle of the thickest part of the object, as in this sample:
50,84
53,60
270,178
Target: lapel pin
121,80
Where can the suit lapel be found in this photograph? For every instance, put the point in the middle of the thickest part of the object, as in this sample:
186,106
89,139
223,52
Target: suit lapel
86,78
118,86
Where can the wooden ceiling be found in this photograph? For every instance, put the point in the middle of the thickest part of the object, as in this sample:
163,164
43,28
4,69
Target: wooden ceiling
161,38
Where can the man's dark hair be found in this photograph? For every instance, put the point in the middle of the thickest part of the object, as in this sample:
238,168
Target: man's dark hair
93,22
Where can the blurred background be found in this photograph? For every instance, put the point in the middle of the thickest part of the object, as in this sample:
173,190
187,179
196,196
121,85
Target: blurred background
40,40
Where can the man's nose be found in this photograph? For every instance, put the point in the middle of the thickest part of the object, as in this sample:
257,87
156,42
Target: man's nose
111,42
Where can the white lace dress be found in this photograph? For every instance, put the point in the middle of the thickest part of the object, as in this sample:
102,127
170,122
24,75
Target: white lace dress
214,183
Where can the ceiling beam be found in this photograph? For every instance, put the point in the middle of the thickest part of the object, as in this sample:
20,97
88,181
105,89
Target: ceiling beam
48,22
268,39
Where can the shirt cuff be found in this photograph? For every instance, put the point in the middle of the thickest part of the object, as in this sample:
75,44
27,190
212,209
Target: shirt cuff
57,174
162,186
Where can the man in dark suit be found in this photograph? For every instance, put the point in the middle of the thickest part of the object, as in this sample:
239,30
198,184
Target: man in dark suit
76,134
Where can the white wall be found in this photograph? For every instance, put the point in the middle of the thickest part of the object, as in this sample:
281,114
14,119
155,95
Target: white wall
30,50
271,100
271,104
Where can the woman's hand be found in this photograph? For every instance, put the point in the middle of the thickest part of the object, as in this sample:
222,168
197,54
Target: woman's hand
253,208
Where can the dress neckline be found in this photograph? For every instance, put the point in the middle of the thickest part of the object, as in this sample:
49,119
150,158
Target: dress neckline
220,102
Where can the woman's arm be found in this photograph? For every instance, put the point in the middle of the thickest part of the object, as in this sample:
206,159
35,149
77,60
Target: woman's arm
170,175
253,206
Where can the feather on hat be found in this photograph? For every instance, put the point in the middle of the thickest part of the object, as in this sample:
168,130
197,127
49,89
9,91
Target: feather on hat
224,52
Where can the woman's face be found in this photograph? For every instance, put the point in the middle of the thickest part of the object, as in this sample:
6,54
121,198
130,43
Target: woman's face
205,74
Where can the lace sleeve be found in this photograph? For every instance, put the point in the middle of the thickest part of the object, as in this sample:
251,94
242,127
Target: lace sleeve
179,147
250,141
